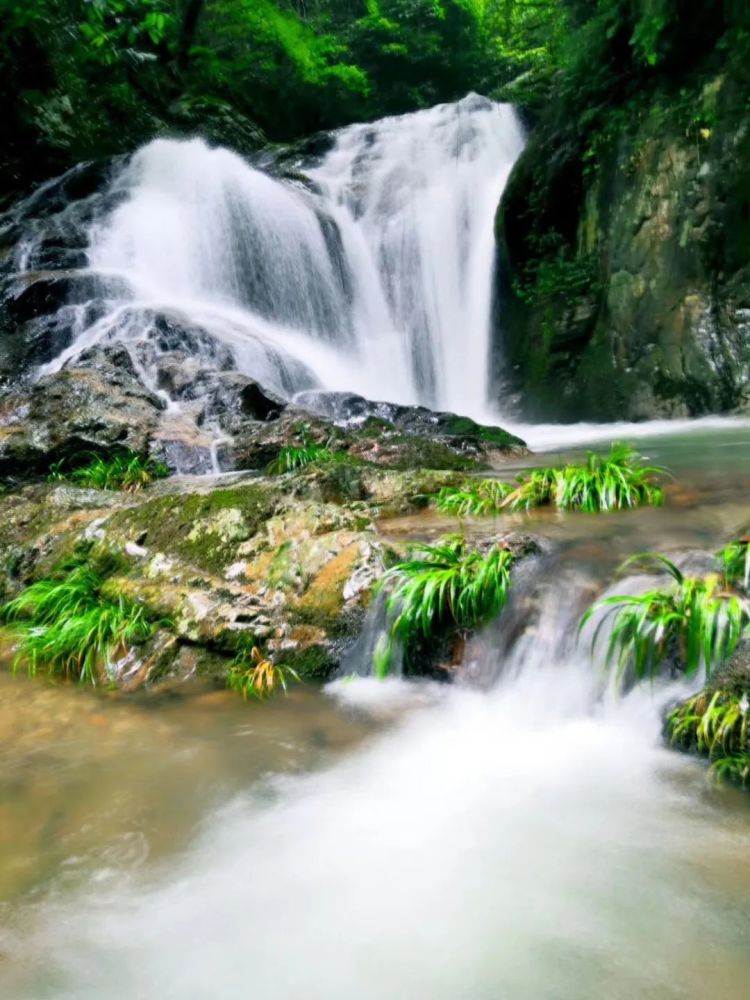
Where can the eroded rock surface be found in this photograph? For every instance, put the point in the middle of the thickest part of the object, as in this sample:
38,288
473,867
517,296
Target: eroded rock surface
282,559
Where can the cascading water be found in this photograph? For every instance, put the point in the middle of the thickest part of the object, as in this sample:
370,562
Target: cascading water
532,841
374,276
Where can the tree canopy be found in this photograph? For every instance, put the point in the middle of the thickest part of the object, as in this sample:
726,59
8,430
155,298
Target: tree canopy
80,78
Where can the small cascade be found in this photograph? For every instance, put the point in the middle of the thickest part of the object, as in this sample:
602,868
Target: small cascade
499,842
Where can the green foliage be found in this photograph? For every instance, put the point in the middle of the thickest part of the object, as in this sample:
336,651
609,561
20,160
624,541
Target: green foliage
715,723
127,472
696,622
293,457
735,559
382,657
254,675
547,279
475,499
604,483
55,54
68,626
290,67
612,482
448,586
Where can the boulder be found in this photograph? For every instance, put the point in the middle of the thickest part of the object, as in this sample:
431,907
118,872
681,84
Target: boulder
349,408
86,408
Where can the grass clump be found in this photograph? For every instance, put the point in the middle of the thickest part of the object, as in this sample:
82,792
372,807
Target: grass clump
307,452
447,587
293,457
735,559
254,675
694,622
126,472
67,626
715,723
615,481
479,499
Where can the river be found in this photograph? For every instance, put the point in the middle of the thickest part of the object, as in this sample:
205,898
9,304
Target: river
526,835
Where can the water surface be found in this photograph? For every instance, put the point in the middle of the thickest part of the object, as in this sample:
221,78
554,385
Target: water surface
526,838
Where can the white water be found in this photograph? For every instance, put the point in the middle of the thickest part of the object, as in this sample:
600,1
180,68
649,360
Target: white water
548,437
376,278
536,841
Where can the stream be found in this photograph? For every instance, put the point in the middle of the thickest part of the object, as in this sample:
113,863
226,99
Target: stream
524,835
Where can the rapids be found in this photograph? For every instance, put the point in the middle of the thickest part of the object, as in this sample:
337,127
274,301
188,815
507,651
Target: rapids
528,837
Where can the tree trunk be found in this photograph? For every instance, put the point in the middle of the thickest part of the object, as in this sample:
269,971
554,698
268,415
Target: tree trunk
191,14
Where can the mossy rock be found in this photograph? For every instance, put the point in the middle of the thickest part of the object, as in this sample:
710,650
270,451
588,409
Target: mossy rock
202,528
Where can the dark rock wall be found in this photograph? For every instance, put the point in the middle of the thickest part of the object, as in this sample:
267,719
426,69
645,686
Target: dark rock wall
624,268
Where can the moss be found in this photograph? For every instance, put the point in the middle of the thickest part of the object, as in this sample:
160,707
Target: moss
418,452
342,481
374,427
312,663
467,428
201,528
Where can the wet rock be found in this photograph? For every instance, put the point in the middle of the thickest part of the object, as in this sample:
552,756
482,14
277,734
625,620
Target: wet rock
624,289
99,407
229,398
350,409
271,558
218,122
41,292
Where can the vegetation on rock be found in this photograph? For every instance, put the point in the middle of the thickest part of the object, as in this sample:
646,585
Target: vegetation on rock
696,622
306,452
480,498
640,140
68,626
447,587
715,723
127,472
254,675
604,483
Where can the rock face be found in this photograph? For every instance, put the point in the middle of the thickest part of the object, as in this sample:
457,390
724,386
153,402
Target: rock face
290,561
78,410
625,266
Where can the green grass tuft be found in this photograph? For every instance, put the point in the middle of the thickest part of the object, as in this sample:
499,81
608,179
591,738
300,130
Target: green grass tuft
735,559
449,586
695,622
67,626
482,498
715,724
125,472
604,483
292,457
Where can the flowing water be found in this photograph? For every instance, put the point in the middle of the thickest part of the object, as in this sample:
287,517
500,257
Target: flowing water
371,273
524,836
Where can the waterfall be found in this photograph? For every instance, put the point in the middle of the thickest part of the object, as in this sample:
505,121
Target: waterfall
369,270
